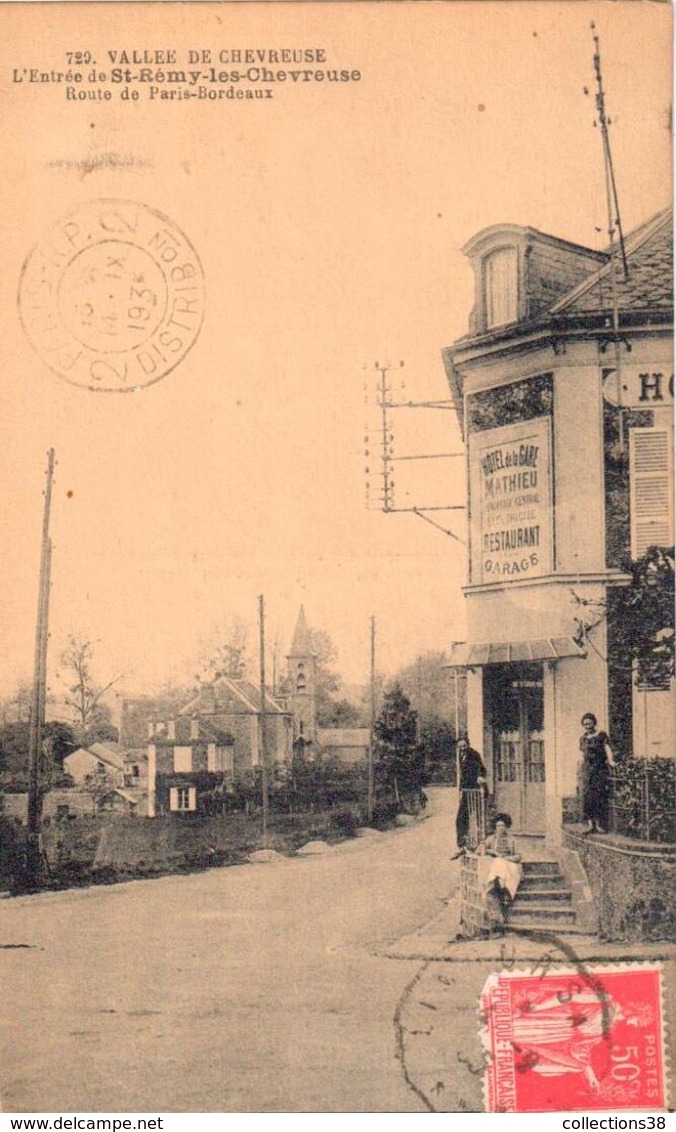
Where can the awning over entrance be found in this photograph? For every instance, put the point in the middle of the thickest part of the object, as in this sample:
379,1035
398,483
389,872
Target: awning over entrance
511,652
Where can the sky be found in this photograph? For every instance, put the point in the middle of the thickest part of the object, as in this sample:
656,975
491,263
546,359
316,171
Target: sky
329,221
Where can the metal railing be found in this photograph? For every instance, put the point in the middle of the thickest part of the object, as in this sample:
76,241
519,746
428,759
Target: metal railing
642,801
476,805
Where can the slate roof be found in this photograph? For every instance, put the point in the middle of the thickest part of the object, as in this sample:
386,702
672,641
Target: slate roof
101,753
253,694
122,794
649,251
243,692
109,751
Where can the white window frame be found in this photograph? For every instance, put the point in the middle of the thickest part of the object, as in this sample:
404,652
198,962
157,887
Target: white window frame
182,799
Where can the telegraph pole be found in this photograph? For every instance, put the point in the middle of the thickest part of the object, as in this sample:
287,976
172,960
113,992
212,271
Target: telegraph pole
263,745
612,200
419,683
383,439
456,705
34,857
44,764
386,440
373,721
614,226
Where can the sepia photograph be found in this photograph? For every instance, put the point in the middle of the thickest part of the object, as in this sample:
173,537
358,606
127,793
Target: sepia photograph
337,753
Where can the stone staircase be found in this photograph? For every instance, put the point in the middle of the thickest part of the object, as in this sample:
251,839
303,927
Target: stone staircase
542,902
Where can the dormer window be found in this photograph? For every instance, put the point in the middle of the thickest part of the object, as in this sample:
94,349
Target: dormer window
501,290
519,273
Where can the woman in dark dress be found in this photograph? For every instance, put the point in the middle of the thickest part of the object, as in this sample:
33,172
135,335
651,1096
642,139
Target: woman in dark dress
597,759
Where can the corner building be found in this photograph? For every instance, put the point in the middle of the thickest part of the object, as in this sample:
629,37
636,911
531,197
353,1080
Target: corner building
568,430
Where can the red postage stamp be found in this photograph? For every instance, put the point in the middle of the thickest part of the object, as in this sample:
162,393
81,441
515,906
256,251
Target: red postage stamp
574,1040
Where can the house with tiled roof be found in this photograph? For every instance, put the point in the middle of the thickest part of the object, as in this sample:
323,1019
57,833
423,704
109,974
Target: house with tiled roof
234,705
96,759
563,388
227,706
124,771
190,764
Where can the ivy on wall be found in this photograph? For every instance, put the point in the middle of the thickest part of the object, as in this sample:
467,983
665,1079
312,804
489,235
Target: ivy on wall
511,404
646,617
616,455
640,616
640,637
643,800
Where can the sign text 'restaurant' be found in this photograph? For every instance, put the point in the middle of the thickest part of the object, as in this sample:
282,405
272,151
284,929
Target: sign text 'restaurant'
511,505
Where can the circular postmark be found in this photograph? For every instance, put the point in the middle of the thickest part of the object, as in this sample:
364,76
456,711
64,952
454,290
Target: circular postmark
112,297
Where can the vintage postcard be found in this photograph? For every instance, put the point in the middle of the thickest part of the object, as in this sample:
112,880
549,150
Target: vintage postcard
336,701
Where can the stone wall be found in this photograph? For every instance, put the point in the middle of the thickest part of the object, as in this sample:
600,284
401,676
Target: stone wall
633,883
71,846
56,804
170,841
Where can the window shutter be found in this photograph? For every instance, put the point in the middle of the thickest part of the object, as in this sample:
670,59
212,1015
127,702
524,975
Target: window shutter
651,501
173,798
192,798
501,278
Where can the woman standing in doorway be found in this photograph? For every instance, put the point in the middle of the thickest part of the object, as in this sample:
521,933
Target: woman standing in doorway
597,759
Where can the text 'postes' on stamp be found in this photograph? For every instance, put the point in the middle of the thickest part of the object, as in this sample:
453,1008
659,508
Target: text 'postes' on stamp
112,296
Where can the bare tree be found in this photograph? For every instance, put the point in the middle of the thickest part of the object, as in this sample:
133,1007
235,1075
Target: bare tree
432,688
83,692
226,651
17,708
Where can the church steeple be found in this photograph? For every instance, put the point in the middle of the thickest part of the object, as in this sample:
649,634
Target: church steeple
301,645
302,680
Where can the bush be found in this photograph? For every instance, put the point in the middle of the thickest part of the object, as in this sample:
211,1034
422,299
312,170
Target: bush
345,822
439,746
384,812
321,783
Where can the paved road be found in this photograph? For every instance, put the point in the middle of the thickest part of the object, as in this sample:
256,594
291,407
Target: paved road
249,989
